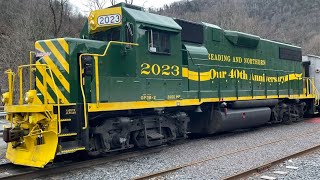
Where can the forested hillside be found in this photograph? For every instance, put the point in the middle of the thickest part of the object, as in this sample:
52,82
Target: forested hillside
291,21
22,22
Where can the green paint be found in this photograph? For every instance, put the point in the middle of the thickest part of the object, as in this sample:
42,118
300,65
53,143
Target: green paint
241,64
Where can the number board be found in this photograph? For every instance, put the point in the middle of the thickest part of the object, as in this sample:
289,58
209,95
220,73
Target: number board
103,19
109,19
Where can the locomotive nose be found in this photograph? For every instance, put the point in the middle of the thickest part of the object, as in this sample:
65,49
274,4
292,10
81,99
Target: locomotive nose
31,140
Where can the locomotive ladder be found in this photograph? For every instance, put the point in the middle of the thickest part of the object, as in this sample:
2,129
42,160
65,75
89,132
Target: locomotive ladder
96,73
311,89
71,138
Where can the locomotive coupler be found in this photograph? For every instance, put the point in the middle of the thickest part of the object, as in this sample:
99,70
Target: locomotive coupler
12,134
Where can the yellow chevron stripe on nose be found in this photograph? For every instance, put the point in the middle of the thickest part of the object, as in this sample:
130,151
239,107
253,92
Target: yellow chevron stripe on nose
58,55
52,85
38,101
54,69
64,44
45,94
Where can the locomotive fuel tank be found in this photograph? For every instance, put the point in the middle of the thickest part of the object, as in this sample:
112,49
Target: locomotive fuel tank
224,119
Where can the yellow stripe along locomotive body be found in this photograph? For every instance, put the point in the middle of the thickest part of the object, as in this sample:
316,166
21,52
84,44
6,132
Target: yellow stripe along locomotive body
136,79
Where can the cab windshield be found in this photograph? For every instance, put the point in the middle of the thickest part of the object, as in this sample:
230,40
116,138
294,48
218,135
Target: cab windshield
109,35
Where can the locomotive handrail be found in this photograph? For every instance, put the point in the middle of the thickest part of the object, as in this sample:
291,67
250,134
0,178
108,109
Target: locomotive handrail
11,77
30,69
20,68
97,76
315,91
311,89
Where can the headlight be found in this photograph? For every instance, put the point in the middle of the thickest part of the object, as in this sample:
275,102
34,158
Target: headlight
26,99
5,98
30,95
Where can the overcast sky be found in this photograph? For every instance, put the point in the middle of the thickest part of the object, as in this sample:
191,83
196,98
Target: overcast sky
80,4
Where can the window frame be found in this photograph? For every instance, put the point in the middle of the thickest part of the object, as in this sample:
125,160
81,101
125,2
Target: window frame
159,49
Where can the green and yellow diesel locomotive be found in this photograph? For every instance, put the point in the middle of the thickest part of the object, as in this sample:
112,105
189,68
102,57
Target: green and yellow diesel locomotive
137,79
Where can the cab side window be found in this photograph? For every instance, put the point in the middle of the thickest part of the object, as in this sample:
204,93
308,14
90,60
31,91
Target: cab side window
159,42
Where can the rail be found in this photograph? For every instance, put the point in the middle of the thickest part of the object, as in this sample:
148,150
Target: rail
163,172
96,76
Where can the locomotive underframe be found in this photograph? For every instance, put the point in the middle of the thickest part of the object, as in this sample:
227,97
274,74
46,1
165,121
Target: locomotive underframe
136,130
158,126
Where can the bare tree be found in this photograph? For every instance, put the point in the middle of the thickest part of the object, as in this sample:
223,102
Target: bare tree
57,10
113,2
129,1
98,4
24,23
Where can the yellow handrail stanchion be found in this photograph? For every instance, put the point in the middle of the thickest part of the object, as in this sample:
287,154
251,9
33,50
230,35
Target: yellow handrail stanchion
96,64
30,68
10,85
45,96
10,89
21,86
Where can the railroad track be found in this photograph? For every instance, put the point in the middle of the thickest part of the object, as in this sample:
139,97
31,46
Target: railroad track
11,171
265,166
241,174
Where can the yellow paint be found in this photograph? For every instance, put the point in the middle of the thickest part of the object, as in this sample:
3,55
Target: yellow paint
96,64
11,76
37,100
34,118
148,97
53,86
113,106
194,76
54,69
171,97
30,154
59,75
27,108
96,26
236,59
43,91
68,134
64,44
72,150
237,74
31,53
57,54
21,86
253,61
65,120
5,97
219,57
156,69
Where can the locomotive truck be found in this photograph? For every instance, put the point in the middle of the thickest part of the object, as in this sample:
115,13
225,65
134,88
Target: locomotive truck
137,79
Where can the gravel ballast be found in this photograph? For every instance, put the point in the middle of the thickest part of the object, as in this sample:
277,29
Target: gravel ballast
3,145
208,147
308,167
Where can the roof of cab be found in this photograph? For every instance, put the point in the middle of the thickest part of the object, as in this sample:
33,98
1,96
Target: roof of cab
152,19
